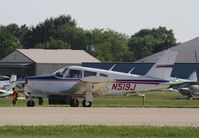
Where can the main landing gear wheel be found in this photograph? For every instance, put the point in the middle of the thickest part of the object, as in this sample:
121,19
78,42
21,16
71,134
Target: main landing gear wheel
86,103
74,103
30,103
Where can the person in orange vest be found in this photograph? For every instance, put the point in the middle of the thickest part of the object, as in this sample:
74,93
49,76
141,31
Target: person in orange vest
14,96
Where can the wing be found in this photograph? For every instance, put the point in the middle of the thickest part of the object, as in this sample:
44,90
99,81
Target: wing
181,84
95,84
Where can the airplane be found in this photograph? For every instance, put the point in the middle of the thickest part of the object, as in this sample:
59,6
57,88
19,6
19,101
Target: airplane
8,90
69,84
5,81
189,87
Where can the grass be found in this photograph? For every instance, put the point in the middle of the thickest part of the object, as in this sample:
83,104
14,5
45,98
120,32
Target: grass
153,99
162,99
84,131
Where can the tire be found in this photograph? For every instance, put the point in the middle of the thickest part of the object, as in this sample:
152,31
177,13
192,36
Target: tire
74,103
86,103
30,103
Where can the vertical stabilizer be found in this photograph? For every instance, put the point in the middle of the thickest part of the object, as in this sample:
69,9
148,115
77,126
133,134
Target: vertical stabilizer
9,88
163,67
193,76
13,78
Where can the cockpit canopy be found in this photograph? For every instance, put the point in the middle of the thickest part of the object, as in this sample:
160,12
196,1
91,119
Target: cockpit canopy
76,73
68,73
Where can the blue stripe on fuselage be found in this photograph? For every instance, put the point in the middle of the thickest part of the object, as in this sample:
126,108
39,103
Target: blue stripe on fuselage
50,78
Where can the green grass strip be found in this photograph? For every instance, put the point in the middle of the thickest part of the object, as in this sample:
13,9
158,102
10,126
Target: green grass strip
153,99
85,131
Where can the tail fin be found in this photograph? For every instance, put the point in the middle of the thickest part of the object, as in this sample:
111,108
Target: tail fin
13,78
12,85
193,76
163,67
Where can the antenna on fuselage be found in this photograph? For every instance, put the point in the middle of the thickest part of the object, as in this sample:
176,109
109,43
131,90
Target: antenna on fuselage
131,70
112,67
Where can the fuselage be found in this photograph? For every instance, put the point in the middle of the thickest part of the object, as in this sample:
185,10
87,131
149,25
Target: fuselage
60,81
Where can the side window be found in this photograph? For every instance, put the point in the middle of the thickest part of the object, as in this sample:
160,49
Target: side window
104,75
89,73
75,74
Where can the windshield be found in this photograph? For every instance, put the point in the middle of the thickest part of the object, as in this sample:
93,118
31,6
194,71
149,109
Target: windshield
61,73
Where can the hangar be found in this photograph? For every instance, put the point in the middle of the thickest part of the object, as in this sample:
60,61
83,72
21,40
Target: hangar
27,62
186,62
187,59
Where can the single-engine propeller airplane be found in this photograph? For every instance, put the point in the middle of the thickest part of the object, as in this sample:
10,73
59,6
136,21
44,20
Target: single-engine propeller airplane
69,84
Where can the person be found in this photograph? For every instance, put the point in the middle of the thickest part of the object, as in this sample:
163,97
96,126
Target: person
14,96
74,74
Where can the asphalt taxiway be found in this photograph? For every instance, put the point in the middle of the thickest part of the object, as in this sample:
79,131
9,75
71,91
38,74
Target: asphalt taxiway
99,116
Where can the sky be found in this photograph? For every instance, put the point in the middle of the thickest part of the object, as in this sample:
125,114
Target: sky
124,16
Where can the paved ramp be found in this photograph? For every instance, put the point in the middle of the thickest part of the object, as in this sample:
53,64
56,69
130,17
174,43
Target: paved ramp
95,116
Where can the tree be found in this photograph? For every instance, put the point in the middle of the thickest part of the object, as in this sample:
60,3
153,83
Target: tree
53,44
47,29
149,41
76,37
8,43
20,33
111,46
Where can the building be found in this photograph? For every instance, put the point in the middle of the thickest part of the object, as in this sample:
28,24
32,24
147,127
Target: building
27,62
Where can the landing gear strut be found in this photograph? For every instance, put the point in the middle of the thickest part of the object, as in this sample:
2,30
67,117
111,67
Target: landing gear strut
74,102
86,103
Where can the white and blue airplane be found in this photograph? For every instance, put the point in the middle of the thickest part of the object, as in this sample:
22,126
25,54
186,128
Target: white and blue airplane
69,84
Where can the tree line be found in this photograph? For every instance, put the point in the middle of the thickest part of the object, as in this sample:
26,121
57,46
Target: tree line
106,45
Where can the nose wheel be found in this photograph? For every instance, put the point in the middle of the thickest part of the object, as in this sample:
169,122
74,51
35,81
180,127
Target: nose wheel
86,103
74,103
30,103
